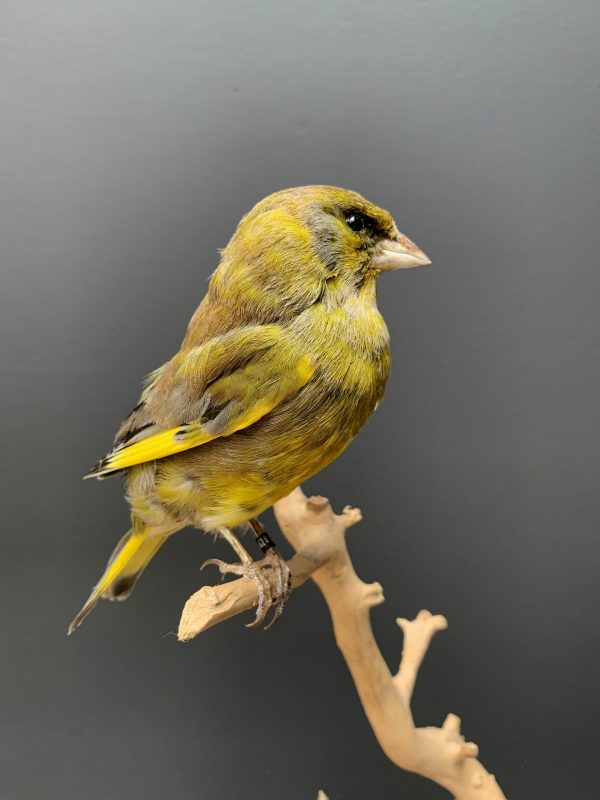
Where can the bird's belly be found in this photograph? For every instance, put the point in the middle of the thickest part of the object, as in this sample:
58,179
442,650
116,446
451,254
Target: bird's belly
239,477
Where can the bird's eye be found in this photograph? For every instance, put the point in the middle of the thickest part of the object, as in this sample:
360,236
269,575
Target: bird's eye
357,222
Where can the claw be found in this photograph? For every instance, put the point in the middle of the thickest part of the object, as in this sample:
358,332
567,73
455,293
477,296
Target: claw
276,614
284,584
265,598
215,562
273,592
256,573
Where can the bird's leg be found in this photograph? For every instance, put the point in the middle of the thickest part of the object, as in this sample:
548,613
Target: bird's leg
275,561
255,571
239,549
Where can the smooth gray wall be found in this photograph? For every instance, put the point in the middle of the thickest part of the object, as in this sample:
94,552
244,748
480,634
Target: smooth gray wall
133,137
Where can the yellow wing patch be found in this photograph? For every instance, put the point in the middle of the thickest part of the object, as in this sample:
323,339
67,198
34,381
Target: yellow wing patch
159,445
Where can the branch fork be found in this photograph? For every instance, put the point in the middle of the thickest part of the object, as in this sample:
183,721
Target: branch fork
318,537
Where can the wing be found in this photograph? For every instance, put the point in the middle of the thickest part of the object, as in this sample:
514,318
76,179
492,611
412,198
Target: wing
206,392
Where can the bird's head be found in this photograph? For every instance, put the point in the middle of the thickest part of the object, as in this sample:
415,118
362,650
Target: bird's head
299,245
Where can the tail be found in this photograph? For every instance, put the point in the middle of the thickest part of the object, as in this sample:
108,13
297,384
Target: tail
129,559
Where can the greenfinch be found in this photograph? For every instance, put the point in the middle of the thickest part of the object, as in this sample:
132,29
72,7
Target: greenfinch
283,362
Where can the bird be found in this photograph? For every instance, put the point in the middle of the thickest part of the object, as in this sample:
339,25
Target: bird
284,360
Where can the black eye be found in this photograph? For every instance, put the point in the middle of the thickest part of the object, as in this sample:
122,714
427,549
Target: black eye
357,222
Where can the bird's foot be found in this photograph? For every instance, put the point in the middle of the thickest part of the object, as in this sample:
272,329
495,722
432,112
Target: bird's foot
272,578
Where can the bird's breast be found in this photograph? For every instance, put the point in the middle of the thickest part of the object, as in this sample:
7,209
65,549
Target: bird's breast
350,345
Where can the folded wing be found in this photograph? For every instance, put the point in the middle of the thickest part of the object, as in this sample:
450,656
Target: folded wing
214,390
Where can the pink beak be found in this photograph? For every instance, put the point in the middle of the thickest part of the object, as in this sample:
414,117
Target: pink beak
399,253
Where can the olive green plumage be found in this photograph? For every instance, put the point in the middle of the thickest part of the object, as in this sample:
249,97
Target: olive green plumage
284,360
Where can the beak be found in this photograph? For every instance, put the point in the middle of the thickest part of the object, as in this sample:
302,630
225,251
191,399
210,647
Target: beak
399,253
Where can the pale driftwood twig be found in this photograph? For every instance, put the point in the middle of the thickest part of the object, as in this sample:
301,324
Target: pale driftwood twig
318,536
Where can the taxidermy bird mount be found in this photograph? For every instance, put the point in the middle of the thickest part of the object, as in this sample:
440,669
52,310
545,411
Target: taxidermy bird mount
283,362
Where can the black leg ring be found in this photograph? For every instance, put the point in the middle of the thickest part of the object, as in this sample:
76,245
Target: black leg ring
263,540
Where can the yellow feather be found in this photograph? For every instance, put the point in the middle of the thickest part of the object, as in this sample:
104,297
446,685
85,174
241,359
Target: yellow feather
130,559
159,445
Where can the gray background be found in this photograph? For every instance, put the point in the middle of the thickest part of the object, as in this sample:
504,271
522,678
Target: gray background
133,137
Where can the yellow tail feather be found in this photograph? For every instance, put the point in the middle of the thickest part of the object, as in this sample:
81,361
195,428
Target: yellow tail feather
133,553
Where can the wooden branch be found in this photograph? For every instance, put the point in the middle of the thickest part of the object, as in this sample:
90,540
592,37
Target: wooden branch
318,536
